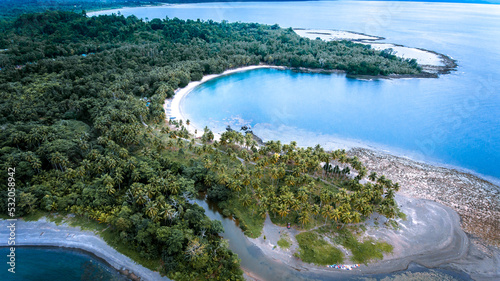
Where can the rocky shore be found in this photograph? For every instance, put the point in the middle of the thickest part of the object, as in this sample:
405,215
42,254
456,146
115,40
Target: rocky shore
477,201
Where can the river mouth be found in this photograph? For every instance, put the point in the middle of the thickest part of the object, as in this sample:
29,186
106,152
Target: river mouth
258,265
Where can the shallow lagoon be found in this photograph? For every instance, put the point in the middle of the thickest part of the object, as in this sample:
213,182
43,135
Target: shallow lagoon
413,117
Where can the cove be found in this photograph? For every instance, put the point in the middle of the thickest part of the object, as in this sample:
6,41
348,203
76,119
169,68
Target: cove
52,263
253,261
453,120
411,117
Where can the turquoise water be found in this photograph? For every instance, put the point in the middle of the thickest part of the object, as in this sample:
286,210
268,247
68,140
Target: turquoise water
314,108
56,264
453,120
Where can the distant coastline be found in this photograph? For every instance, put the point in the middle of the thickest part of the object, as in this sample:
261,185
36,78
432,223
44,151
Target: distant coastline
432,63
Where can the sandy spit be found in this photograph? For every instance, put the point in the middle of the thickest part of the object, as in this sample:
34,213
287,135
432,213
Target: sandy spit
431,62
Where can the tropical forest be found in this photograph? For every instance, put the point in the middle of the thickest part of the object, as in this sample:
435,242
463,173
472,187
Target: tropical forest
76,125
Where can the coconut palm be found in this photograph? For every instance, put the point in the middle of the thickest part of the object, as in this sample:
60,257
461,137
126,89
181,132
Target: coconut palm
326,210
259,192
304,218
274,174
295,205
336,214
246,200
283,210
356,217
262,211
324,197
303,195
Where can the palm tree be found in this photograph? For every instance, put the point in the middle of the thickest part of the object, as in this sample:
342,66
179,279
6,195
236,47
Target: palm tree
274,174
174,187
336,214
325,211
302,196
259,192
347,217
246,200
304,218
151,209
324,197
258,172
283,210
234,185
108,183
166,211
295,205
222,178
367,210
274,208
315,209
262,211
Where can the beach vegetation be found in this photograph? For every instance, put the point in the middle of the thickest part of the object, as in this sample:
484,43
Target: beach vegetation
284,241
362,252
314,249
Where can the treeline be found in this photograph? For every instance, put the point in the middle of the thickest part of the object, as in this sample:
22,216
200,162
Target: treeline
214,46
13,8
83,123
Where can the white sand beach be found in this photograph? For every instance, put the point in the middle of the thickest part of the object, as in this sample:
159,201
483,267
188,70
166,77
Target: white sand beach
423,57
173,107
46,233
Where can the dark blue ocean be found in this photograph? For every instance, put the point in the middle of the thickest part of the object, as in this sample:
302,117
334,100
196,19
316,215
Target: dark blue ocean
56,264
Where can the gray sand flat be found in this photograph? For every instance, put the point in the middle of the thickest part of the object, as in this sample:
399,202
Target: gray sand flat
431,236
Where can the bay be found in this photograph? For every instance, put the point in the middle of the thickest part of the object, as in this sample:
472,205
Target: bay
453,120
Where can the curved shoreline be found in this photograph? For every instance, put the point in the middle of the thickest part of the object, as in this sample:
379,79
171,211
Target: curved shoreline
173,107
432,63
472,198
430,237
43,233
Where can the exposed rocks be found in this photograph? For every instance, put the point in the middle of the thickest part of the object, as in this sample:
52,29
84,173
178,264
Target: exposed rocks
476,201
